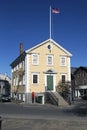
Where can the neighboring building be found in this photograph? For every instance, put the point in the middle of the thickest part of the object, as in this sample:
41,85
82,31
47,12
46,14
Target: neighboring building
40,69
73,69
79,82
5,84
5,77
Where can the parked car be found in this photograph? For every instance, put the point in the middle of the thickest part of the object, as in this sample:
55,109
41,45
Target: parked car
5,98
84,97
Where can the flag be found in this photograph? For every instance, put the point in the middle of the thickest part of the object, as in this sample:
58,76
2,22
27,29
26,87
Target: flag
55,11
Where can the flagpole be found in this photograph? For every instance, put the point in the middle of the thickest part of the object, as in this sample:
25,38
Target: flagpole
50,28
55,11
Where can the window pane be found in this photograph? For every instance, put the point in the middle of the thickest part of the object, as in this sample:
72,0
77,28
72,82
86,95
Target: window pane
63,78
35,59
35,79
63,61
84,82
50,62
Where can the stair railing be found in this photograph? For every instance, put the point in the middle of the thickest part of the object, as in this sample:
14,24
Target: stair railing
53,96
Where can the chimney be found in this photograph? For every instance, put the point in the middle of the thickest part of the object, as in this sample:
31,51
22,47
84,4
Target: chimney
21,48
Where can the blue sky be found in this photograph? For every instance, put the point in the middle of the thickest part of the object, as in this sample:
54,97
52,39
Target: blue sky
28,21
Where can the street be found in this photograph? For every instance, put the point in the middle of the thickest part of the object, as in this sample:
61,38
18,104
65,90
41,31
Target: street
40,117
31,111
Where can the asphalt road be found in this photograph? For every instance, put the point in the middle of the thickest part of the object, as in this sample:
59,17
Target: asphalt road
40,117
78,109
34,111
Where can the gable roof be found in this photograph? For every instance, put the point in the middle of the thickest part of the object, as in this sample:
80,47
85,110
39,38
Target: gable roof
81,68
52,41
18,59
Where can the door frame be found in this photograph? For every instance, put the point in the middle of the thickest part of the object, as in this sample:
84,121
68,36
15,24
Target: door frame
54,82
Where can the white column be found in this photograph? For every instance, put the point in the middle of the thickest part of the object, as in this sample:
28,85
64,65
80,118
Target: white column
43,100
69,69
27,73
54,82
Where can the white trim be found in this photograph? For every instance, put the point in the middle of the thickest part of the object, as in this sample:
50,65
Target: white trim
35,73
24,97
62,75
82,87
61,63
37,62
43,99
54,82
49,44
19,96
27,73
69,70
49,55
49,40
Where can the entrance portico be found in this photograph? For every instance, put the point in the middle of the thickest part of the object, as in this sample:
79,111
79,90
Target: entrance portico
50,80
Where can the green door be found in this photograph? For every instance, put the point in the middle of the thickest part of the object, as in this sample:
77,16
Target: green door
49,82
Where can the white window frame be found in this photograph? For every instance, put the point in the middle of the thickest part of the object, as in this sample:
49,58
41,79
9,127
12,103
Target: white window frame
14,81
37,78
17,67
84,81
65,77
35,58
63,61
20,65
23,64
51,62
14,68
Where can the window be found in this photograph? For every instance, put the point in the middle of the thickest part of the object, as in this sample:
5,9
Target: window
63,78
20,65
17,67
23,63
35,59
84,82
14,68
75,82
63,61
20,79
23,79
35,78
49,47
49,60
14,81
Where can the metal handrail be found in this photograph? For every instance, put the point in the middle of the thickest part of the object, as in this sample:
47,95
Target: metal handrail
53,96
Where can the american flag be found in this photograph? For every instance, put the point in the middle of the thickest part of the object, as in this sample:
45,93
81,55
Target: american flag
55,11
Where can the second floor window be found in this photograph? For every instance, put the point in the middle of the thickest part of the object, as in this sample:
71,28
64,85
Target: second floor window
63,61
49,60
35,59
84,82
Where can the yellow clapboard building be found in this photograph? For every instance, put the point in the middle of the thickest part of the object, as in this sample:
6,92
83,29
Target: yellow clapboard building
39,70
